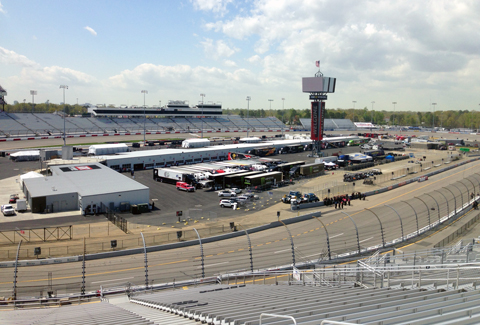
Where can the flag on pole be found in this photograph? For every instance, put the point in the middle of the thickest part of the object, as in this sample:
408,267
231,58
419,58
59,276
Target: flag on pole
317,63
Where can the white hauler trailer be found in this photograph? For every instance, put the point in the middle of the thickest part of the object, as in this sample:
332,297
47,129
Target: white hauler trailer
195,143
172,176
107,149
326,159
250,140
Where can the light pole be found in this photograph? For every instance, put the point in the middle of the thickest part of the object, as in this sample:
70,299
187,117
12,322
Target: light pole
270,100
203,96
394,103
354,102
433,116
372,111
283,113
144,92
248,108
33,93
64,113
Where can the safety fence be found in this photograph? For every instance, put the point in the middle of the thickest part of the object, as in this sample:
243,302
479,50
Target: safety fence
342,236
55,234
335,237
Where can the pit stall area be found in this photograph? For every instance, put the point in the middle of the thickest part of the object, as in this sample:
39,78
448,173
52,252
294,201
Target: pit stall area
139,160
90,188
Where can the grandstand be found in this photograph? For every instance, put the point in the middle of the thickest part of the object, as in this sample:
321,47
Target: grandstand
44,124
362,294
331,124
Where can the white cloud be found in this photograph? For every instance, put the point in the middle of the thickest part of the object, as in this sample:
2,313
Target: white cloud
181,77
91,30
216,6
55,76
217,49
363,43
254,59
1,9
10,57
229,63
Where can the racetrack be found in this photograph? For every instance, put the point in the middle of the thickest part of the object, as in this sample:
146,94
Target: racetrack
269,248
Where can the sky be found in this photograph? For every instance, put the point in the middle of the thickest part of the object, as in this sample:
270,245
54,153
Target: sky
414,53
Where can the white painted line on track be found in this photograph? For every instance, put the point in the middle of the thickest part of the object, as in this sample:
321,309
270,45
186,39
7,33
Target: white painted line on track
284,250
199,267
111,280
336,235
365,240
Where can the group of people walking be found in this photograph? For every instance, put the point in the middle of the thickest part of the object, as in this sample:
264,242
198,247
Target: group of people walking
341,200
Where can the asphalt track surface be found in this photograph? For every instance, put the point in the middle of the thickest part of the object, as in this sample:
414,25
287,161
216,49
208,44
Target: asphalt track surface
270,248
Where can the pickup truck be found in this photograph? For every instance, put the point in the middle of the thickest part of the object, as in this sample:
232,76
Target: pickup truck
310,197
8,210
287,198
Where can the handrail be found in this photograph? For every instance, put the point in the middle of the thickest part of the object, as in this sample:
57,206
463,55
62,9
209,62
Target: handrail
278,316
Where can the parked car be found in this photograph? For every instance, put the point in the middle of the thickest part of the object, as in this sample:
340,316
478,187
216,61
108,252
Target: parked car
13,198
309,197
8,210
226,193
236,190
227,203
288,198
183,186
243,198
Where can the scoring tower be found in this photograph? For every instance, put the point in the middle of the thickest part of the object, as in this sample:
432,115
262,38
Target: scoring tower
318,87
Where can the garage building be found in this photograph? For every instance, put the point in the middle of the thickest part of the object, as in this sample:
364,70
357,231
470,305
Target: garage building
90,188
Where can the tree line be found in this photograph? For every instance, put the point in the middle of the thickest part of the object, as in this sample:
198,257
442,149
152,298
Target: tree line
70,110
446,119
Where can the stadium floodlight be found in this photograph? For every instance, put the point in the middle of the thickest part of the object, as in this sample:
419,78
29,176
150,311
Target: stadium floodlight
248,108
144,92
394,103
372,111
64,114
33,93
203,96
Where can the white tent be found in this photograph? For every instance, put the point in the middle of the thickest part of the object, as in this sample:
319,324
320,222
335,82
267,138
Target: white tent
195,143
107,149
25,155
29,175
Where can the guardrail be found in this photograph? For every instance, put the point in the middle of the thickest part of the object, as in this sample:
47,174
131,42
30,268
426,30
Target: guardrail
406,220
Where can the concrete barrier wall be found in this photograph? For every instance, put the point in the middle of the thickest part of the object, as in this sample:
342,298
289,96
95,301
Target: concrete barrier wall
219,237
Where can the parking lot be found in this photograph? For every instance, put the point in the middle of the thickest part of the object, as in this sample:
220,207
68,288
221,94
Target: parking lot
205,202
200,204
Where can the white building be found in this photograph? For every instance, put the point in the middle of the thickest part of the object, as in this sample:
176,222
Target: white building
88,188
